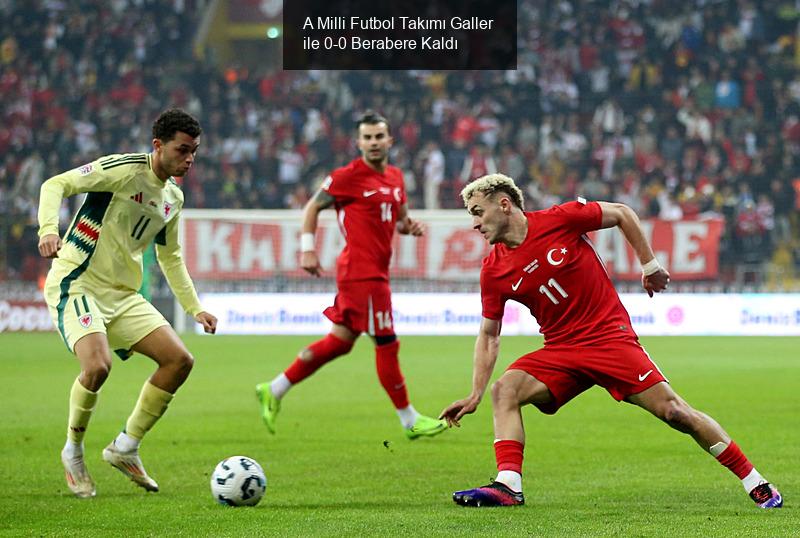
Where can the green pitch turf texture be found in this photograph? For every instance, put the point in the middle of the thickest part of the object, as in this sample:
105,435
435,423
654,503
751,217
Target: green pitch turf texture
340,464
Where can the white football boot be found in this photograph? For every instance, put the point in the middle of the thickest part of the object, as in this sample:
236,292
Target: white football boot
78,479
130,464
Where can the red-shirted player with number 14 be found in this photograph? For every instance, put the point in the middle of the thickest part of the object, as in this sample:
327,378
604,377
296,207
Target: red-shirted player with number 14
370,200
544,260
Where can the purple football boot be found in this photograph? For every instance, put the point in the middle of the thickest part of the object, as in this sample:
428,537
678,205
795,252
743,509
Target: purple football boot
766,496
494,494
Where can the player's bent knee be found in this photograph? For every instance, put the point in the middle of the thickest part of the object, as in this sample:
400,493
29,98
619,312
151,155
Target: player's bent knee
95,359
96,369
185,361
504,392
305,355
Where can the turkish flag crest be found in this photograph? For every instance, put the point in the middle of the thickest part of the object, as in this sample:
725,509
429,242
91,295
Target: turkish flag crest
167,209
85,320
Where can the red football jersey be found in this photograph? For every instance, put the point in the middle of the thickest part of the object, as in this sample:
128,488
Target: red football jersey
367,204
557,274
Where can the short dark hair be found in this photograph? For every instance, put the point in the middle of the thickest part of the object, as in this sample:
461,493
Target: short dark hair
371,117
173,120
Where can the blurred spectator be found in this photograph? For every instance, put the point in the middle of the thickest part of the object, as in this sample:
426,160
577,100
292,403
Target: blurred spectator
433,174
677,109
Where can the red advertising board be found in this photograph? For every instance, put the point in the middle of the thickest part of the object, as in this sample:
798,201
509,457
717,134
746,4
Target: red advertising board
450,250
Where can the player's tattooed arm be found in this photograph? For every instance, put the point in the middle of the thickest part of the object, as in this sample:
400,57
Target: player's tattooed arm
309,260
655,278
322,199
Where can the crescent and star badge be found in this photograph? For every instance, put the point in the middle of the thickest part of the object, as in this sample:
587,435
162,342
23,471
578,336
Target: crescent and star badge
553,261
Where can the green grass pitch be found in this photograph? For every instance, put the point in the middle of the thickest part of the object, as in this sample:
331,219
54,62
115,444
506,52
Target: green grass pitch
340,464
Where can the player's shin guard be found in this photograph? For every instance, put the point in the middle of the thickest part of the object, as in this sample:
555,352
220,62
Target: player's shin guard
81,406
322,351
152,404
389,374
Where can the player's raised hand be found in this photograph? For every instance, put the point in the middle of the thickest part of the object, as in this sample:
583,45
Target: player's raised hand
49,245
208,321
453,412
658,281
309,261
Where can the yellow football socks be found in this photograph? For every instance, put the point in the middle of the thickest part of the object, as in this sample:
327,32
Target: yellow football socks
152,403
81,405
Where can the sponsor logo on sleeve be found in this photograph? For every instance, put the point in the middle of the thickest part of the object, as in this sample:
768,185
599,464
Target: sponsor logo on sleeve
85,169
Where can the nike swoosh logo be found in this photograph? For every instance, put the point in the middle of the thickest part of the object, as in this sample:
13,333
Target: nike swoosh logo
515,286
367,194
642,377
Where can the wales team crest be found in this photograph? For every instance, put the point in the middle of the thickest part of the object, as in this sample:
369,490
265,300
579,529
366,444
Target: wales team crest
167,209
85,320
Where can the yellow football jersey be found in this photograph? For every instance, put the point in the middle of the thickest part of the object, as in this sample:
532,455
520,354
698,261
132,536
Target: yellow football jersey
127,207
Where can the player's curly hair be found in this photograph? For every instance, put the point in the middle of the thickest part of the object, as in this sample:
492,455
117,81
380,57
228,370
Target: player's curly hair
173,120
370,117
491,184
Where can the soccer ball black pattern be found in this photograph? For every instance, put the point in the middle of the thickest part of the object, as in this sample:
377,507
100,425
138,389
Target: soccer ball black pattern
238,481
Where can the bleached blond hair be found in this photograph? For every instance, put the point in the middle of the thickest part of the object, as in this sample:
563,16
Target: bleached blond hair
491,184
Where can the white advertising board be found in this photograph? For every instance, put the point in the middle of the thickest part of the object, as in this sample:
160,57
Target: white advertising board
460,313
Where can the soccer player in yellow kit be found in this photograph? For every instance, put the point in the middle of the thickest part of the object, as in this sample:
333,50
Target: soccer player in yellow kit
91,288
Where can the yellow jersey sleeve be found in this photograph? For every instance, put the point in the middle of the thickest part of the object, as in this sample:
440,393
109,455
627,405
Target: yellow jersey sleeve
168,253
91,177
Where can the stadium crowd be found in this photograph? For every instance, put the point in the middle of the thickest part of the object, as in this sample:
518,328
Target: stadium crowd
680,110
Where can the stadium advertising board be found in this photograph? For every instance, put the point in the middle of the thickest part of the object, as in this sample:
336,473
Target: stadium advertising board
699,314
24,316
265,244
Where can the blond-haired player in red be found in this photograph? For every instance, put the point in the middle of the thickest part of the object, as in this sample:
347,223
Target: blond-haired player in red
543,260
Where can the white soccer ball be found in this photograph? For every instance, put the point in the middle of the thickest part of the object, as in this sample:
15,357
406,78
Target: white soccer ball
238,481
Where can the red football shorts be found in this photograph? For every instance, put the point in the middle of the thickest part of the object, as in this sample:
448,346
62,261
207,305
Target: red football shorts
363,306
622,367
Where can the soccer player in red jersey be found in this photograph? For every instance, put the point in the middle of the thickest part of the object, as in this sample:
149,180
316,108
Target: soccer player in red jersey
370,200
544,260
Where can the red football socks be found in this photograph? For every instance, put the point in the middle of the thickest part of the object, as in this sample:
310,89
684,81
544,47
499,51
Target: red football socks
322,351
733,458
389,374
508,454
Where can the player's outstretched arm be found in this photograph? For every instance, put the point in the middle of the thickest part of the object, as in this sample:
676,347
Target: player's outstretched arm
408,226
170,259
309,260
654,277
487,346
